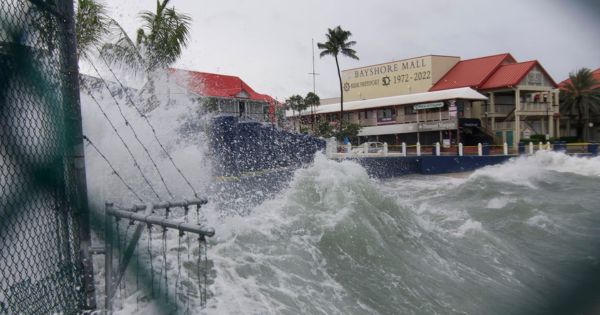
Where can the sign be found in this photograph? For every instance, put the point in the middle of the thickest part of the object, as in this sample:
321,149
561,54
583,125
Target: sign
452,109
526,134
429,105
446,143
437,125
415,75
469,122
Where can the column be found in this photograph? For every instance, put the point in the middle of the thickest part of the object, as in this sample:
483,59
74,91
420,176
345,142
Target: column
551,130
492,110
517,128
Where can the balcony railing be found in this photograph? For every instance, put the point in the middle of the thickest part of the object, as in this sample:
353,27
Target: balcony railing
536,107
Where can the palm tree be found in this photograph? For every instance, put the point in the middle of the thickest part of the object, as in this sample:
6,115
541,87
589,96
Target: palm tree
579,96
313,101
91,25
337,43
297,104
158,44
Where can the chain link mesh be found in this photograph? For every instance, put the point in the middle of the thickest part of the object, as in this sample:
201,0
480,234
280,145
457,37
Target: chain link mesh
40,262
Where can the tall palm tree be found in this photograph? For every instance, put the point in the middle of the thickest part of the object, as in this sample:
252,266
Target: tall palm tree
580,96
297,104
313,101
337,43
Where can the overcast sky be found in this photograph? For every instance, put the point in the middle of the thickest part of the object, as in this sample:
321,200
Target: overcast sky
268,42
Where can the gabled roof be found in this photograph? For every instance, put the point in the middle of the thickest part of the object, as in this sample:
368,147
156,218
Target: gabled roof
216,85
595,75
512,74
472,72
508,75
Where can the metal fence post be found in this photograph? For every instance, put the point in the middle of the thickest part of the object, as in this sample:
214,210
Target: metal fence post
460,149
75,153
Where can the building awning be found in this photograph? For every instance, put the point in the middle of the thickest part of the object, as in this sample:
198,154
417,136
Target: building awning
387,129
465,93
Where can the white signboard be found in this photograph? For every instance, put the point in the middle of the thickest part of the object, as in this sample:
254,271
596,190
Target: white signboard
429,105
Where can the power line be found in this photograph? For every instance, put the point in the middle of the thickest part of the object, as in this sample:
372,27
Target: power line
151,127
137,165
132,130
113,169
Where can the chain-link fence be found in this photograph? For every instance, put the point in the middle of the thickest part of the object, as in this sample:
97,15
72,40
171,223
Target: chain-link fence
43,231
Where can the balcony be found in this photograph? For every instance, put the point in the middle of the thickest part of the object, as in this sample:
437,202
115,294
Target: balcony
536,107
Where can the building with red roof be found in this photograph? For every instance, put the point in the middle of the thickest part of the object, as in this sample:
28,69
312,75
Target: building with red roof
523,100
225,93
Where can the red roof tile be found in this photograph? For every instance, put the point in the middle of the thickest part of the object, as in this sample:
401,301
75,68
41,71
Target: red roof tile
595,74
472,72
216,85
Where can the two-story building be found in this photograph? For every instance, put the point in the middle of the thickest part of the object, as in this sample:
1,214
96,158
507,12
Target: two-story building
224,94
522,97
445,99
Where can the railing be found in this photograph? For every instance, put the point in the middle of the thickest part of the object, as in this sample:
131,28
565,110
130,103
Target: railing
348,151
536,107
503,109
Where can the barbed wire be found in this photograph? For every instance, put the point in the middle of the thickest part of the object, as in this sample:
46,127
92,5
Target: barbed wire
112,167
135,163
151,127
128,124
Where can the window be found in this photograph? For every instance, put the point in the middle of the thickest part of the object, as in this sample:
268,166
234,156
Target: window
385,114
409,110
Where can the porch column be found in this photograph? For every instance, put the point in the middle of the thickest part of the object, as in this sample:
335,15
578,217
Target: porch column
551,126
517,128
557,126
492,111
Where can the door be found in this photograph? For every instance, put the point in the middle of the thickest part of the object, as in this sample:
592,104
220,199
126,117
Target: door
509,138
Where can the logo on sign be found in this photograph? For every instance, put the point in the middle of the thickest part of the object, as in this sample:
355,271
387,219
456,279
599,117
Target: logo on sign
346,86
386,81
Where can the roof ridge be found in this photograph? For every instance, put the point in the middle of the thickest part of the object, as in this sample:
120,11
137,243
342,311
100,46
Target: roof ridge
490,56
204,72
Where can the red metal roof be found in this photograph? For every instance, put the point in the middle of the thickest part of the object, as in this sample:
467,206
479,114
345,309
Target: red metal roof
508,75
595,74
216,85
472,72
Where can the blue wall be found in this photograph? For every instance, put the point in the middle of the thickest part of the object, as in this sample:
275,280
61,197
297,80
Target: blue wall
241,147
386,167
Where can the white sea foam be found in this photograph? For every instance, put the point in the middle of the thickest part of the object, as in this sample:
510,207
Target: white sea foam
525,170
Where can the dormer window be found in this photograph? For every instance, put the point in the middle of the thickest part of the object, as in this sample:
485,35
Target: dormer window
242,94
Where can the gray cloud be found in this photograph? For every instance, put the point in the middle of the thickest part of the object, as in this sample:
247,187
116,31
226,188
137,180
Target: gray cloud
268,43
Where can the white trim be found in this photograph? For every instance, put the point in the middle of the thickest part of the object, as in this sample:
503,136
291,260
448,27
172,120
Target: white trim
465,93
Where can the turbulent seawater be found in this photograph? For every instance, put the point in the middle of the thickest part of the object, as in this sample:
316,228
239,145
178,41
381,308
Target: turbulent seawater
517,238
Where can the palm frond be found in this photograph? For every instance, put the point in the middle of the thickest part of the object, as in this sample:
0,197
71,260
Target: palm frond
91,25
123,52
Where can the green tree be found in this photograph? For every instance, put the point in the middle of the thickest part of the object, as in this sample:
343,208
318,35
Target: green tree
159,42
312,100
580,96
92,24
349,130
337,43
324,129
297,104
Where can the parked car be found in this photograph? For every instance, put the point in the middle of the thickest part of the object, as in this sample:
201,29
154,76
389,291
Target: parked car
372,147
375,147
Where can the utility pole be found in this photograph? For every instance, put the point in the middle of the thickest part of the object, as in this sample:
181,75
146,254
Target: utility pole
314,75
